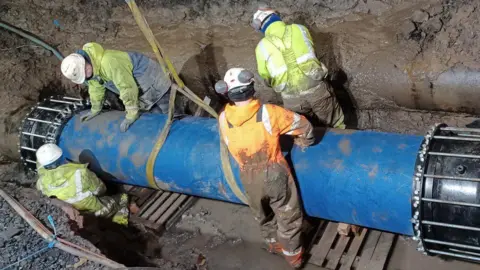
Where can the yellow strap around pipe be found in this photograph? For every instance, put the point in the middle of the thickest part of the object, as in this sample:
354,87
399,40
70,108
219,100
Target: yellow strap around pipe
166,64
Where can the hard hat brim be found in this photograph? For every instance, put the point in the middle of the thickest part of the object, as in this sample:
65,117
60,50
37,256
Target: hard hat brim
81,77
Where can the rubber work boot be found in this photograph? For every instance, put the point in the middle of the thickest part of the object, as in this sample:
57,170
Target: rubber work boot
296,260
274,248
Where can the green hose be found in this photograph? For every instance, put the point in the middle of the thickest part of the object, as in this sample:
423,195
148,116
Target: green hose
30,37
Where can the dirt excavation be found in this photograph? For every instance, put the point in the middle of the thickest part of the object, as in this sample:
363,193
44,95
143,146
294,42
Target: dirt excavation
396,66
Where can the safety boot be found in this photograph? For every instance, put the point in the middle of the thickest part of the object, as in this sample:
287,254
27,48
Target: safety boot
274,248
294,260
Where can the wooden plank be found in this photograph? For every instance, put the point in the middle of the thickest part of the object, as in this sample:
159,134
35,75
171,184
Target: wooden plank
344,229
144,195
320,251
164,207
144,222
353,250
128,188
154,206
317,233
337,253
367,250
149,202
178,214
174,207
381,252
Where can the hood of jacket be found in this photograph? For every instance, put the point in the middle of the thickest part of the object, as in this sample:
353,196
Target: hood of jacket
95,51
238,115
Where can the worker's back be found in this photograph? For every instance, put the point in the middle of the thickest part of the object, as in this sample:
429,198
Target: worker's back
286,58
252,132
72,183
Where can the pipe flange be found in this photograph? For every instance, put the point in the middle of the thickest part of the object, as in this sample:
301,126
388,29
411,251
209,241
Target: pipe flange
418,186
44,123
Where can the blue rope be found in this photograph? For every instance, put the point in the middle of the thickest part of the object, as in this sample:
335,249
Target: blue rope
50,245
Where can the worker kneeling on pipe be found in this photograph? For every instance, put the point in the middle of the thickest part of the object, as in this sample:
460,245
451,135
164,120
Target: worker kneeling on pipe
78,186
287,62
251,131
123,73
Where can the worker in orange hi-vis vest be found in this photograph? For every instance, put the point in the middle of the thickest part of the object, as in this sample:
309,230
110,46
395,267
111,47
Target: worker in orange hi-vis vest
251,131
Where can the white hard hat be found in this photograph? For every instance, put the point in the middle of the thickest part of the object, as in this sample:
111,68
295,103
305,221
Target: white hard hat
234,78
260,16
73,67
48,153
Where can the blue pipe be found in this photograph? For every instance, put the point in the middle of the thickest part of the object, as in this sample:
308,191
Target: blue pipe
356,177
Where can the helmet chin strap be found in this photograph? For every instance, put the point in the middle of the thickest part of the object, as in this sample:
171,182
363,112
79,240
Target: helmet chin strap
243,94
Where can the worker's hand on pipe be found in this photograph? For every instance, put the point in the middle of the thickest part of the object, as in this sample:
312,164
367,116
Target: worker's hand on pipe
89,116
303,143
126,123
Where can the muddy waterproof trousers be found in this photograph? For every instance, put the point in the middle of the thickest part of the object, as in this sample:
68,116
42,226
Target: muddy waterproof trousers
271,188
319,102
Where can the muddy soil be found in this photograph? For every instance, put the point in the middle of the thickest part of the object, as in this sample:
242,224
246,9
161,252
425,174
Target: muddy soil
18,239
383,55
136,247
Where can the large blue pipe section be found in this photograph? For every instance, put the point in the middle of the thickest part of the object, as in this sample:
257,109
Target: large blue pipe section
356,177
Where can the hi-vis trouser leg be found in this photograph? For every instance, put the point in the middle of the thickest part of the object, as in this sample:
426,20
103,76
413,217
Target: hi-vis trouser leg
272,188
114,207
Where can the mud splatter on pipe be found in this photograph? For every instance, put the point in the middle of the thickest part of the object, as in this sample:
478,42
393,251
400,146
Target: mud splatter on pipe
358,177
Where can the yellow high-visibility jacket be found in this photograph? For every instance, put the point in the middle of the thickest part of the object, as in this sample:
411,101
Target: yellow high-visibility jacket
286,59
78,186
112,66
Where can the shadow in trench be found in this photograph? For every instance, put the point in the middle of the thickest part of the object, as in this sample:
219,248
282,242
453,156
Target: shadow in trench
325,49
126,245
202,71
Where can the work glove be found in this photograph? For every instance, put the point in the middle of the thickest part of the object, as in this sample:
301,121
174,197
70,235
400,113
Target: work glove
126,123
303,143
89,116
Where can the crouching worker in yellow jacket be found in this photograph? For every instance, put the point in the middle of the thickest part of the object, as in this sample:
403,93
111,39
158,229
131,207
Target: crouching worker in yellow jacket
138,80
78,186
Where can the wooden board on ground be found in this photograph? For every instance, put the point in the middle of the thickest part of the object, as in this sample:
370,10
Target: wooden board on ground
368,250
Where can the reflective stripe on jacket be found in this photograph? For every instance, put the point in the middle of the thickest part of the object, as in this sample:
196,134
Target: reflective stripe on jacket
286,59
252,132
123,72
74,184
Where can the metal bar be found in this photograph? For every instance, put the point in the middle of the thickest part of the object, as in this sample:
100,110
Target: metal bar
450,244
468,135
451,202
452,177
454,255
457,138
441,224
43,121
28,148
31,161
71,98
48,109
464,251
34,135
453,155
460,129
62,101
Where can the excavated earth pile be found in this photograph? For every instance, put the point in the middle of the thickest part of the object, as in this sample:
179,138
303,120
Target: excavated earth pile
18,239
135,247
387,58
